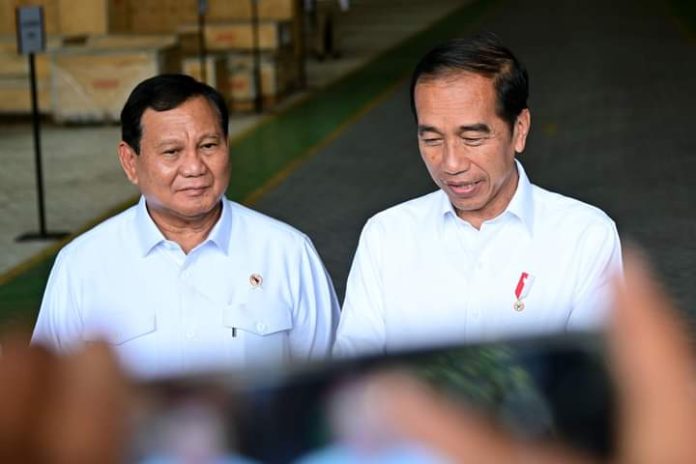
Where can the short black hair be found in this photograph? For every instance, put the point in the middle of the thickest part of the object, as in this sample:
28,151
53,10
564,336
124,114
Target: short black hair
162,93
483,54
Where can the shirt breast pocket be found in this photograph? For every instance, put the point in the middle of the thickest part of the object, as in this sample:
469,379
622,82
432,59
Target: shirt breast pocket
262,321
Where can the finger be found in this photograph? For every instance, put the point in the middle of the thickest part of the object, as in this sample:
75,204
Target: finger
24,374
654,370
414,412
87,415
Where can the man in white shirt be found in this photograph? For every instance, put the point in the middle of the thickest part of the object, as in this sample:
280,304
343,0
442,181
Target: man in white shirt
489,254
186,279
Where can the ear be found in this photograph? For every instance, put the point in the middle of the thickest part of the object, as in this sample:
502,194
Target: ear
128,158
522,126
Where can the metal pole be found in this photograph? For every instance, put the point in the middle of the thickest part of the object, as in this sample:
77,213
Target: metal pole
201,43
258,102
30,39
37,145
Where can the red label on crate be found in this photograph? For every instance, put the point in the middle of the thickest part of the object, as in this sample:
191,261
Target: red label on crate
104,84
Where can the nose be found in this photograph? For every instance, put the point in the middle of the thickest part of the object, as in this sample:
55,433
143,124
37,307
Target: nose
454,158
192,164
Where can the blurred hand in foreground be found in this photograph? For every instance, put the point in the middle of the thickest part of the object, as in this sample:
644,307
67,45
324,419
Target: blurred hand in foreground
60,410
653,368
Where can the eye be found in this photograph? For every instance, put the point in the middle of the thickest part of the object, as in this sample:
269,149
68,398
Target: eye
209,145
171,151
432,141
473,141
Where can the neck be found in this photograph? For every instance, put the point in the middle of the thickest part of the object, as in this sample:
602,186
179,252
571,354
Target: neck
188,233
495,208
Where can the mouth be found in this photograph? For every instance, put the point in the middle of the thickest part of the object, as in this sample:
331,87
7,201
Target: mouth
194,190
464,189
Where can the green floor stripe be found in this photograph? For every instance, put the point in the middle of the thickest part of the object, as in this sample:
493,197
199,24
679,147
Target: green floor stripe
266,150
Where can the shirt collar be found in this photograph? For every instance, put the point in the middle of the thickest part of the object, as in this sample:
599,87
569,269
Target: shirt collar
149,236
146,232
222,230
521,205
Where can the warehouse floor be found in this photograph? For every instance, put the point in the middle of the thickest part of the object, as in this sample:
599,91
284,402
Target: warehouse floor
611,106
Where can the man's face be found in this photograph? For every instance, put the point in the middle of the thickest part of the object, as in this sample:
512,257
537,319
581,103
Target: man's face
183,165
468,149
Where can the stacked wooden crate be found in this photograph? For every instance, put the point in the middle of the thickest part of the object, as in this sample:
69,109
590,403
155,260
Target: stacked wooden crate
277,75
15,87
50,9
229,32
215,73
90,83
72,17
122,43
63,21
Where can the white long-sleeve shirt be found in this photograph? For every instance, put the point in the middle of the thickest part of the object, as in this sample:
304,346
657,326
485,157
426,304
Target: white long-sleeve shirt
422,276
254,293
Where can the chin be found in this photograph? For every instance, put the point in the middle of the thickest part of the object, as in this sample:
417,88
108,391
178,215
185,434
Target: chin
467,207
195,209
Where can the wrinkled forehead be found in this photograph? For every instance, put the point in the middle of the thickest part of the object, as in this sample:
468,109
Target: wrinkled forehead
454,88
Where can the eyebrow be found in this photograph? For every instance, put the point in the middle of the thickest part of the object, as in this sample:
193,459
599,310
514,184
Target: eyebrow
167,142
176,141
479,127
424,128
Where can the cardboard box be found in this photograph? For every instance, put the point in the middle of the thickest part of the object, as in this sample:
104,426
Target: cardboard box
91,83
215,72
239,35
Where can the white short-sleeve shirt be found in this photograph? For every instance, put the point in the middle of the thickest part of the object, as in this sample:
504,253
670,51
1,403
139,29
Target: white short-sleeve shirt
254,293
422,276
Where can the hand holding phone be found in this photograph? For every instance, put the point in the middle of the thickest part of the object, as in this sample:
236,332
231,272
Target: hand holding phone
651,361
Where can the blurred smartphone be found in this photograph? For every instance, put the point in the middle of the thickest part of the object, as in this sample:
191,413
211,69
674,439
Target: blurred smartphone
551,388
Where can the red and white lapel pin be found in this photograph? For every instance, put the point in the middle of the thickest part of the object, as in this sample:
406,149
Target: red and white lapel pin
522,290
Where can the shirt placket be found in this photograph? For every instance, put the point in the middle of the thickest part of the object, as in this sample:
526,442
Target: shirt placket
465,257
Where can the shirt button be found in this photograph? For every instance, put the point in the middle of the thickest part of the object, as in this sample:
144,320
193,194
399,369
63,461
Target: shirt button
261,327
190,334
